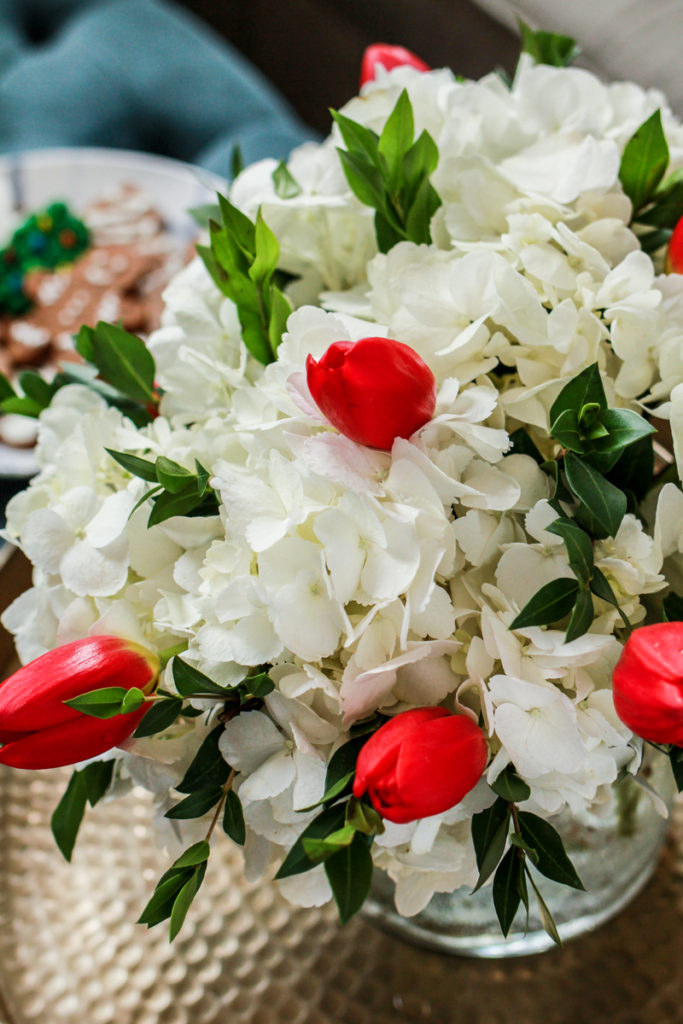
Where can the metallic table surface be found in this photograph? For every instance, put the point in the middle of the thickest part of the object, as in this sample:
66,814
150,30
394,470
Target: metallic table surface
70,952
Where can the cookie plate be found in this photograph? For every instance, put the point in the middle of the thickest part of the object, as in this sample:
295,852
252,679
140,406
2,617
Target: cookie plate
33,179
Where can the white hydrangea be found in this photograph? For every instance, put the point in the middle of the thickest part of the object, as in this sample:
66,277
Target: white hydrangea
380,581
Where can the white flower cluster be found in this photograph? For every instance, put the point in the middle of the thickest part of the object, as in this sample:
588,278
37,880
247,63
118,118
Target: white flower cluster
376,580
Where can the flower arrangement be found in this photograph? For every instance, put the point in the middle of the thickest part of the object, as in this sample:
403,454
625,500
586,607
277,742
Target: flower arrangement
364,531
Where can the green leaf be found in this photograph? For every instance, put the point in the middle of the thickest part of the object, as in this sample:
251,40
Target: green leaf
652,241
35,387
286,185
238,226
567,431
343,762
233,818
104,703
19,406
584,389
327,822
197,804
644,161
6,389
161,714
68,815
169,505
203,476
259,685
419,162
391,175
397,136
605,502
521,844
342,768
510,787
183,901
418,222
195,854
267,252
548,47
553,861
149,493
133,700
141,468
171,475
160,905
208,768
521,444
581,618
672,606
318,850
667,206
88,785
676,760
97,778
349,872
589,416
600,586
547,919
241,260
203,215
507,888
84,343
387,235
236,160
552,602
489,835
365,181
364,818
357,138
578,544
190,681
124,361
634,469
280,310
624,427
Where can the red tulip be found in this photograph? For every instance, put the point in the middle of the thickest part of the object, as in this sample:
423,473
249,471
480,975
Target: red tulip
39,730
674,255
420,763
648,683
389,57
373,390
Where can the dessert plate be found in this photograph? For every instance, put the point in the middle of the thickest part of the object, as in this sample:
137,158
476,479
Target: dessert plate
32,180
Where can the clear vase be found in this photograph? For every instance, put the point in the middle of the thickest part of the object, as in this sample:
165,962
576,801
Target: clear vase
615,854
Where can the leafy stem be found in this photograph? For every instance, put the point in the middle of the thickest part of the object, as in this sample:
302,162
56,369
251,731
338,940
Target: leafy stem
170,652
219,805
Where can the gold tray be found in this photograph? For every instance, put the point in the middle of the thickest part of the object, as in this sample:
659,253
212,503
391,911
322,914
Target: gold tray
70,952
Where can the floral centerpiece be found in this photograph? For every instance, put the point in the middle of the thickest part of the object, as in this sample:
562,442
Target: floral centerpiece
345,559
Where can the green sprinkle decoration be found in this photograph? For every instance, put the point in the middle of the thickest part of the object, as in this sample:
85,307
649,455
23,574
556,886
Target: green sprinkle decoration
47,239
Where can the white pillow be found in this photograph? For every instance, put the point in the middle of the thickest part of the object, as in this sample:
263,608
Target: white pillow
638,40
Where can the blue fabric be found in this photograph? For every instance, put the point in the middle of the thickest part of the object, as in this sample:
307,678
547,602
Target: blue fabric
135,74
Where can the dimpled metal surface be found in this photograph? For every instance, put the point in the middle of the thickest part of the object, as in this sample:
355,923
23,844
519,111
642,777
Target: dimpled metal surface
70,952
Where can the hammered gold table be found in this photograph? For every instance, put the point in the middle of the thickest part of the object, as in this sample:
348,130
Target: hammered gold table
70,952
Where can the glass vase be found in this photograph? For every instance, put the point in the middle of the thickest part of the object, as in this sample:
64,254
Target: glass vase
614,853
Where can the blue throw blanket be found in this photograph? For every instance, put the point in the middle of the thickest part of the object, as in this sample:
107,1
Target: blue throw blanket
135,74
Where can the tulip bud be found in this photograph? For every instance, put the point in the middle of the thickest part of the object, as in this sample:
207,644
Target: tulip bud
420,763
648,683
674,255
39,730
373,390
389,57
